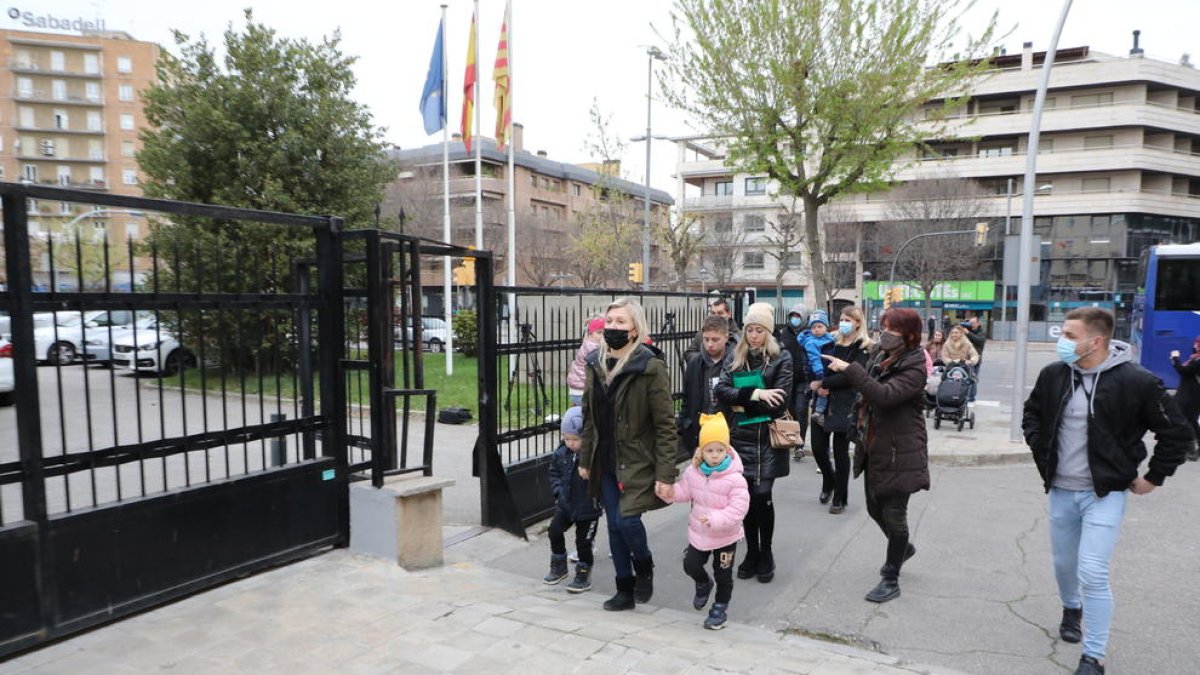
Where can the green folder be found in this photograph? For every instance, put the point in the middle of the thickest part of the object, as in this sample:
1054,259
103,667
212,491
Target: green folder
748,378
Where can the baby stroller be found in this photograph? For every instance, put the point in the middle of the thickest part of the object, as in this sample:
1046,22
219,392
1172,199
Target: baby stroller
931,386
952,395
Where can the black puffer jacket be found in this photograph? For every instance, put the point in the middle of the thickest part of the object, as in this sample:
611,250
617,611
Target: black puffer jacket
570,491
1127,400
894,450
753,441
840,414
801,374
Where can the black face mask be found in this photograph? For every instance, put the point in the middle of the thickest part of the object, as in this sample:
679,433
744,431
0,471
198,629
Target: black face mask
616,338
890,343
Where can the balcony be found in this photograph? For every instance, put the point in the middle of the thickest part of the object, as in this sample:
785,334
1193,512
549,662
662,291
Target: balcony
1068,160
1057,203
33,68
41,96
86,185
53,130
59,158
1121,114
708,203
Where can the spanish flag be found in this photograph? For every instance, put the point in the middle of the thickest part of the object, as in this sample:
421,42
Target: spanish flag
469,80
500,75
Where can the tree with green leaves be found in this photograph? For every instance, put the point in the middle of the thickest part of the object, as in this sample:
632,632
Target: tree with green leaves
822,96
269,125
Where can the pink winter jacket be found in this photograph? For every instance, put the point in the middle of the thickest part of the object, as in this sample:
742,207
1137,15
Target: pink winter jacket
723,497
576,375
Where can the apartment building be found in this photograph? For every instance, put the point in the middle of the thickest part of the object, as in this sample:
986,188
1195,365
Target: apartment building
551,199
70,112
1118,170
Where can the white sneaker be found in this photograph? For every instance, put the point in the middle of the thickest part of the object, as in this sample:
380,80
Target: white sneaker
574,557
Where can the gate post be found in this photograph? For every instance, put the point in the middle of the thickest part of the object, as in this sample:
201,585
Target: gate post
379,349
331,334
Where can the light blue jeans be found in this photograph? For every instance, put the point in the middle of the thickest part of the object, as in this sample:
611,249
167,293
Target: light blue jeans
1083,533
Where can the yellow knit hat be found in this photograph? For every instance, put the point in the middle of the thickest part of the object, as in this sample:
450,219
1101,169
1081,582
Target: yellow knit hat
713,429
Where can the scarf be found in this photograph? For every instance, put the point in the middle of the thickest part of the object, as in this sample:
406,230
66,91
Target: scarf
710,470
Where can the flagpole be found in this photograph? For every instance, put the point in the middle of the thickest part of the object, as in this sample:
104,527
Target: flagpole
447,291
512,189
478,146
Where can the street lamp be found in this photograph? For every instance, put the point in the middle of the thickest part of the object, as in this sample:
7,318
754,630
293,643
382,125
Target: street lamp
652,53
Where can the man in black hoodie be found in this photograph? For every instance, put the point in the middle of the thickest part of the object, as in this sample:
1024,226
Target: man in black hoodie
801,373
1084,422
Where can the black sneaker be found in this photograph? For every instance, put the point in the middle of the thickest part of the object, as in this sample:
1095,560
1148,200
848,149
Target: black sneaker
1069,629
717,617
703,591
583,579
1089,666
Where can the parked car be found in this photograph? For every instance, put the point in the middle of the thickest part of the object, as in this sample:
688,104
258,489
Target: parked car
434,333
61,339
154,347
101,332
7,381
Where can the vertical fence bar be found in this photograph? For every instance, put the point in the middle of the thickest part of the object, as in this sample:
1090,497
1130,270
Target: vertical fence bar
29,420
375,347
333,392
305,355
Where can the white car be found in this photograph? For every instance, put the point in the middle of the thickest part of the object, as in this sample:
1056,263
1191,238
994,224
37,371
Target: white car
60,342
7,381
153,347
434,333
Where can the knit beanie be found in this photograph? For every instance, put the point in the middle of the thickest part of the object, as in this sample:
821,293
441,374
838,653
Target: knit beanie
713,429
595,324
818,316
572,422
762,314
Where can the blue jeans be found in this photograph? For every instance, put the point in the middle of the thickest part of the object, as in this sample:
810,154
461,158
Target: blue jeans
1083,533
626,534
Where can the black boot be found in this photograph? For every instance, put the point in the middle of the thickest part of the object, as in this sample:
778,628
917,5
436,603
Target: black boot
558,569
624,598
749,566
1088,665
909,551
644,585
1069,629
716,616
583,579
888,586
703,591
766,566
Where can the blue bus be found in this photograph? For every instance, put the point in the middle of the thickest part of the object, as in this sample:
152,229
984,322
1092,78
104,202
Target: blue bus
1166,310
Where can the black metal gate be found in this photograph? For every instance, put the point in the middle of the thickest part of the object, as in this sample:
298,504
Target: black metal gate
211,446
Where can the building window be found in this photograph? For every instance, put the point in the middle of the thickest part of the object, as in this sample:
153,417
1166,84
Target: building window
127,121
754,224
91,64
25,116
996,151
96,175
95,149
1091,100
64,175
29,172
125,92
723,224
58,61
64,207
753,260
24,60
1097,142
129,176
756,185
58,90
127,149
794,261
124,64
723,188
132,231
92,91
93,121
25,87
1045,145
61,120
1097,184
576,190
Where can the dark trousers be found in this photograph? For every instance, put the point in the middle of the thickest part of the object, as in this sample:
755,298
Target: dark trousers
890,513
799,408
626,534
835,475
585,534
759,522
693,563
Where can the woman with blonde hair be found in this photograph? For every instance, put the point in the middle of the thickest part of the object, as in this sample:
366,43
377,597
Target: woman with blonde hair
629,442
851,345
754,389
958,349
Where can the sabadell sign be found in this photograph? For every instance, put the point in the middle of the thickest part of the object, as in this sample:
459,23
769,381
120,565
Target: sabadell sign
32,20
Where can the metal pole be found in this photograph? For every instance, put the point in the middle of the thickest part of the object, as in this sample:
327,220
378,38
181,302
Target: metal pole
650,53
1007,231
1024,249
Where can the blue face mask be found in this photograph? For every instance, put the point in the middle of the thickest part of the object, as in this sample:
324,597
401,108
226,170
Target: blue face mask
845,327
1066,351
795,321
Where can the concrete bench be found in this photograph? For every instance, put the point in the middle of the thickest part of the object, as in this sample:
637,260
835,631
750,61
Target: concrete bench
400,521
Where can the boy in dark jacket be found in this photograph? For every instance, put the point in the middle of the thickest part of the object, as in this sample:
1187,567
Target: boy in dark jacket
699,379
572,506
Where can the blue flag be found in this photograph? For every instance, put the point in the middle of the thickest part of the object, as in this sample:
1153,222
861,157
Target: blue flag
433,98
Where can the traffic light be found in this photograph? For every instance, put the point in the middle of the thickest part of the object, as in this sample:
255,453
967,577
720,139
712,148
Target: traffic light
635,272
893,296
464,274
981,231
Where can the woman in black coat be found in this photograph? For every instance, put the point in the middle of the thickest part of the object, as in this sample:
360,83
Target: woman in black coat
851,346
1187,394
892,448
750,409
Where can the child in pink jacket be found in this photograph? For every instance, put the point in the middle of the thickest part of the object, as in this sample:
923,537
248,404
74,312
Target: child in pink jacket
717,490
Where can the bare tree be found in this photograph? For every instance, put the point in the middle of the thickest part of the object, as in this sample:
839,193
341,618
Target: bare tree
542,247
785,236
839,239
681,242
722,242
941,204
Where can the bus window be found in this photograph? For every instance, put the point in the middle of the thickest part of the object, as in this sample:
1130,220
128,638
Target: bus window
1177,287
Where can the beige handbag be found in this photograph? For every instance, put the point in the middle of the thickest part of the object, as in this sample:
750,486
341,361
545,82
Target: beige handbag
785,432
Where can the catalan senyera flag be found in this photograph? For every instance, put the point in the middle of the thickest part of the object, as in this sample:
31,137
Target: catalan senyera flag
472,75
502,77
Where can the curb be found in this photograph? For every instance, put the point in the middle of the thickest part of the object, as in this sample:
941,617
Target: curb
982,459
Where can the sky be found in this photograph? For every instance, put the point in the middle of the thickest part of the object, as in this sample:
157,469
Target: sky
568,53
